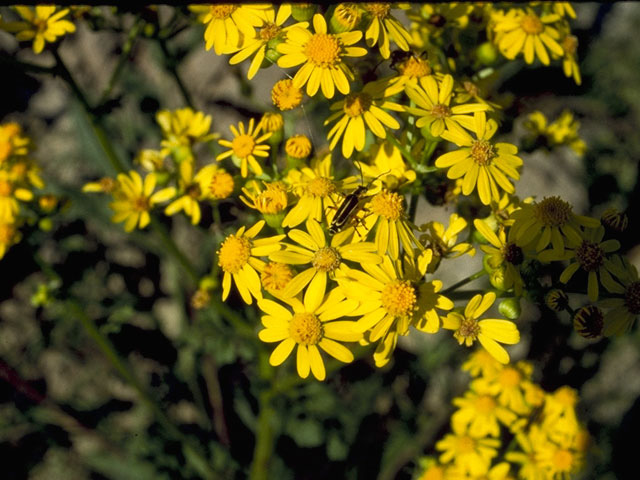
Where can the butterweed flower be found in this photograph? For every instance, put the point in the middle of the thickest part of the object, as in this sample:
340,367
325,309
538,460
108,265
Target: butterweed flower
221,185
389,166
133,199
444,241
9,235
472,455
480,414
12,141
285,95
42,24
588,321
10,193
489,332
298,147
483,164
183,128
246,146
322,55
237,257
382,27
275,277
311,326
268,199
227,23
509,384
194,188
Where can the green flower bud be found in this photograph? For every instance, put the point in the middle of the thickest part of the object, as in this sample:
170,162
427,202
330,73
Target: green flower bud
487,53
303,12
510,308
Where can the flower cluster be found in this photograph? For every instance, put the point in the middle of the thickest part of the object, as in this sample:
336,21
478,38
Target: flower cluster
503,402
42,24
562,131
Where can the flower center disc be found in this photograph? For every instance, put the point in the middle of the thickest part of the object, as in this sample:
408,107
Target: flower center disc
276,276
552,212
532,25
306,329
415,67
590,256
513,254
320,187
269,32
509,377
326,259
223,10
563,460
243,145
141,204
234,253
482,152
221,185
399,298
388,205
485,404
323,50
380,10
355,104
441,111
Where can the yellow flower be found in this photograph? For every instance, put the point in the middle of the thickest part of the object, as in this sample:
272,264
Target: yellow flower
12,142
246,146
482,364
346,17
9,235
275,276
104,185
182,128
483,164
531,465
480,414
388,165
134,199
625,306
43,24
391,301
323,56
325,259
10,193
270,200
384,25
489,332
151,160
433,99
443,242
285,95
316,189
411,68
298,147
270,29
272,122
509,384
502,253
311,326
562,131
193,189
472,455
227,23
237,258
358,111
520,31
590,255
569,63
221,185
549,221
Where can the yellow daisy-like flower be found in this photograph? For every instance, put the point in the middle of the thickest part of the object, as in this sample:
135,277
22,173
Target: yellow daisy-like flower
316,189
570,66
386,213
443,242
10,193
182,128
560,460
390,302
509,384
298,147
434,110
482,364
531,467
9,235
151,160
411,69
388,165
12,142
504,254
228,23
489,332
311,326
550,221
625,306
483,164
590,255
42,24
246,146
194,189
285,95
384,26
471,454
134,199
237,258
519,31
221,185
269,199
270,29
323,56
104,185
357,112
480,414
325,259
275,277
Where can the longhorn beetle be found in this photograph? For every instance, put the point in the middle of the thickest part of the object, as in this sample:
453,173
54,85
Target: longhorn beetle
349,205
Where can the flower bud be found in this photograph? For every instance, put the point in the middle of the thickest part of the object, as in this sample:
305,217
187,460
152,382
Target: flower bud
510,308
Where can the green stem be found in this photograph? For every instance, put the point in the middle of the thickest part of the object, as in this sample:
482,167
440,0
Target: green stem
413,206
173,249
171,64
464,281
265,432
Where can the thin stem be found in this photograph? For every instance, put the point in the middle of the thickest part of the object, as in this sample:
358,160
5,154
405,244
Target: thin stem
210,375
413,206
171,64
264,427
173,249
464,281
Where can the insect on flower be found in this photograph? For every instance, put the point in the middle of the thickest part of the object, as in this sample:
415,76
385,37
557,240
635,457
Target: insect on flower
350,205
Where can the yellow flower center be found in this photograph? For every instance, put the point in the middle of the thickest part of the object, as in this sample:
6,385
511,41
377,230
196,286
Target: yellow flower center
482,152
552,212
388,205
485,404
107,185
509,377
590,256
298,147
222,11
355,104
380,10
513,254
323,50
5,188
193,190
415,67
285,95
588,322
234,253
273,199
320,187
399,298
569,45
465,444
7,231
141,204
531,24
562,460
269,32
243,145
440,111
632,298
468,330
40,24
326,259
306,329
221,185
200,299
276,276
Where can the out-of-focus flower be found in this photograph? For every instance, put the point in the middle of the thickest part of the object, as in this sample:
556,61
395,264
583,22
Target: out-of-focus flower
42,24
